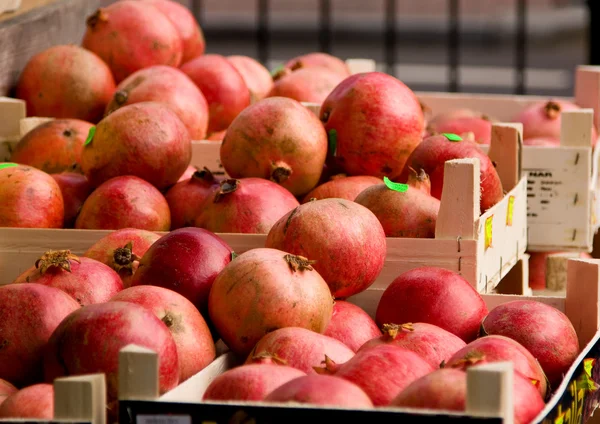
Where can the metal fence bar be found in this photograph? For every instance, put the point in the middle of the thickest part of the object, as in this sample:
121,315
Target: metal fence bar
325,25
453,44
263,32
521,46
390,36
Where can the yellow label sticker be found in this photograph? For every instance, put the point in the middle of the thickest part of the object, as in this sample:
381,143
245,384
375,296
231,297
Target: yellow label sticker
588,364
509,211
560,419
488,231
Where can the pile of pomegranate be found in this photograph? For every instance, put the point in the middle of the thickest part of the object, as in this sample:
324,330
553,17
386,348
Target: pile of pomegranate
284,310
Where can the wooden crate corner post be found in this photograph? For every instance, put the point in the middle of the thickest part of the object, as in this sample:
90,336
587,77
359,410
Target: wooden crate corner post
80,398
582,300
587,89
138,373
11,111
490,391
505,150
27,124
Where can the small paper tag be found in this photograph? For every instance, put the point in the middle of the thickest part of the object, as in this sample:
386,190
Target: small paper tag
452,137
488,231
402,188
8,165
163,419
90,136
509,211
332,138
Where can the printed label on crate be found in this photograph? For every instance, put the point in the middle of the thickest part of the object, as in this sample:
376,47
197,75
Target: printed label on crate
163,419
509,211
488,231
542,191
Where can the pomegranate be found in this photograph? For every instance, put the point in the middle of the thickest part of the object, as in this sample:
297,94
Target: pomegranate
29,314
167,85
497,349
255,75
125,202
186,25
250,382
276,139
222,85
195,347
35,401
344,238
455,114
542,119
66,82
403,210
186,197
537,267
541,141
311,84
86,280
121,250
146,140
362,103
217,136
319,59
381,371
432,154
6,389
474,128
263,290
300,348
351,325
446,389
432,343
129,35
434,296
248,205
189,172
30,198
186,261
54,146
88,341
321,390
74,188
542,329
342,187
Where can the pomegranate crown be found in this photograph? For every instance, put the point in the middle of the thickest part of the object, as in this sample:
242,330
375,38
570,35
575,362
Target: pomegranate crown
56,258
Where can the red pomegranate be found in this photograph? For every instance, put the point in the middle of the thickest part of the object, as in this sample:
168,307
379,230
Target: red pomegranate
263,290
453,114
351,325
312,84
434,296
497,349
409,213
189,172
382,371
186,197
474,128
319,59
6,389
34,311
129,35
54,146
432,343
186,261
222,85
344,239
539,328
431,156
66,82
537,268
361,103
74,347
195,347
247,205
30,198
542,119
146,140
186,25
35,401
167,85
122,250
342,187
321,390
276,139
75,188
250,382
125,202
256,76
85,280
299,348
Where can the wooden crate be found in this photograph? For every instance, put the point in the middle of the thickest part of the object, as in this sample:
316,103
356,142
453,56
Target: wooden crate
488,386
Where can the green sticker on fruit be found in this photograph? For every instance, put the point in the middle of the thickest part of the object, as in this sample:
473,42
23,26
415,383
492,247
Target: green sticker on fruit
234,255
90,136
452,137
277,70
402,188
332,137
8,165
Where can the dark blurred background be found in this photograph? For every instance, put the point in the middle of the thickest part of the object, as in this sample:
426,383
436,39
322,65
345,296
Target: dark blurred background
493,46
